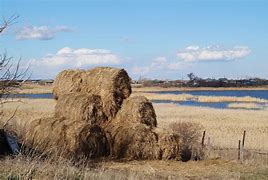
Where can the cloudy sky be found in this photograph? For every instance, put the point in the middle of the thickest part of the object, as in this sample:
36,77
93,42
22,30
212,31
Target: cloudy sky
164,39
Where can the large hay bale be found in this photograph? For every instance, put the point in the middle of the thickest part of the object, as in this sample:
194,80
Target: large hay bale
138,109
132,141
67,81
80,107
70,139
169,144
111,84
139,141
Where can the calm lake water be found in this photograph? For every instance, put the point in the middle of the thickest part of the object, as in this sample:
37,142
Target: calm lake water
263,94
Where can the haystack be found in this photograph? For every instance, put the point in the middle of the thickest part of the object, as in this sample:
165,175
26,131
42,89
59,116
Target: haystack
139,141
132,134
138,109
111,84
70,139
67,81
131,141
81,107
169,144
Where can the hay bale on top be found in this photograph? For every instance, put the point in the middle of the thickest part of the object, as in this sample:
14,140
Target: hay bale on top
138,109
70,139
67,81
80,107
111,84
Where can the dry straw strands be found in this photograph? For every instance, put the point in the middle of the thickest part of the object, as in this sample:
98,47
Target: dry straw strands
80,107
169,144
132,134
70,139
131,141
139,141
138,109
111,84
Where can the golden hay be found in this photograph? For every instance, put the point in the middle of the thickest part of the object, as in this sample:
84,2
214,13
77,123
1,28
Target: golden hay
131,141
138,109
111,84
61,137
80,107
67,81
139,141
132,133
169,144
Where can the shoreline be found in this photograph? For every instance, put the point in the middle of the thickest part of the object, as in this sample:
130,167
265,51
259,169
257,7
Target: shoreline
43,89
187,89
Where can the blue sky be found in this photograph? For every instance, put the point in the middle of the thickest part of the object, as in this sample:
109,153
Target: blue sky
154,39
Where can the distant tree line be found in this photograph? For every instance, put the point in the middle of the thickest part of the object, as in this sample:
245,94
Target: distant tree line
195,81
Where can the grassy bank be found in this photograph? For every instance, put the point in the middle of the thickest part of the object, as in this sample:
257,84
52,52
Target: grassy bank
23,167
155,89
39,89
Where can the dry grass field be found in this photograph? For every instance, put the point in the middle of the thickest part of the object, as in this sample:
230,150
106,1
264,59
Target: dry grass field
224,127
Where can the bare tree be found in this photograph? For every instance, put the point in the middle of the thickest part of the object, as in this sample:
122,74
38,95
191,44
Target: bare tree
10,73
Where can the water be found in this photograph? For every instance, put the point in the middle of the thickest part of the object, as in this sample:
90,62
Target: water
218,105
33,96
263,94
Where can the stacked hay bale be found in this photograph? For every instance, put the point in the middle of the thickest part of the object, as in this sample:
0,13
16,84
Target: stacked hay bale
62,137
133,133
111,84
94,117
81,107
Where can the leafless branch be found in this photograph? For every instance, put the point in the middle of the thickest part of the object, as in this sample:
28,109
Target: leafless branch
8,22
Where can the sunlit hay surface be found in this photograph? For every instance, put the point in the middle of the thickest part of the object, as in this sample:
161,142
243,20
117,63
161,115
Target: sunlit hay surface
138,110
133,133
66,138
80,107
111,84
185,97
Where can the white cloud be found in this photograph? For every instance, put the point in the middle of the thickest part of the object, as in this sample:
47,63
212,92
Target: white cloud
40,32
78,58
159,64
212,53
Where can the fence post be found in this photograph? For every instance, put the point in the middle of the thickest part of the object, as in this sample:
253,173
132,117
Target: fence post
244,136
242,153
203,139
239,142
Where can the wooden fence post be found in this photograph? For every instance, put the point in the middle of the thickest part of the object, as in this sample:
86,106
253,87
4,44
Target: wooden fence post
244,136
203,139
239,142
